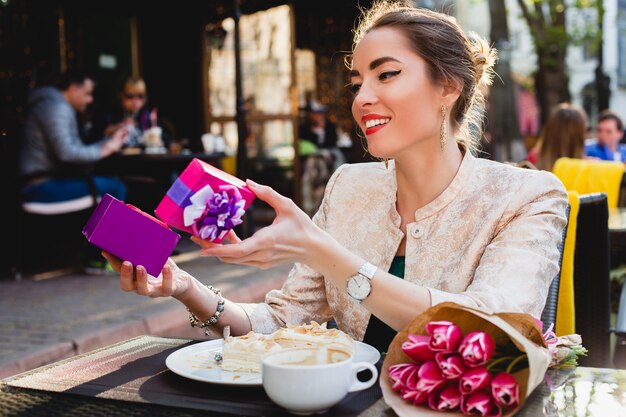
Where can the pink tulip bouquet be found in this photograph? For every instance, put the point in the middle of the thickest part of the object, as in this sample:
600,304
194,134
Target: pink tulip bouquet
456,359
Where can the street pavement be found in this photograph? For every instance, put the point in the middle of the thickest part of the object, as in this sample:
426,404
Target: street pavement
45,320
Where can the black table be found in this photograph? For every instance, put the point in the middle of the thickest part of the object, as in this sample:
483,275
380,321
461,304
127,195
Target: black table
146,164
149,176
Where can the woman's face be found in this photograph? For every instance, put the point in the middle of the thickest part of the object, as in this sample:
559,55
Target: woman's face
133,100
396,104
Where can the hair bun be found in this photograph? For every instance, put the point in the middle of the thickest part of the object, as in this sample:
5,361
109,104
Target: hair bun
484,58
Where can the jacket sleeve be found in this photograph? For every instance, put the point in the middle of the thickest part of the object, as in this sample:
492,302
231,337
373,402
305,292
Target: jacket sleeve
518,265
303,296
59,124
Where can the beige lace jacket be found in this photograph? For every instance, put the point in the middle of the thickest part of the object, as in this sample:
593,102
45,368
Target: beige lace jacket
490,241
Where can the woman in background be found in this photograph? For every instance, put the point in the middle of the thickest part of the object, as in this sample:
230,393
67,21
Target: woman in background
562,136
134,112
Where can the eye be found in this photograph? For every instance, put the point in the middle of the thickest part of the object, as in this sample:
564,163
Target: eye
388,74
353,88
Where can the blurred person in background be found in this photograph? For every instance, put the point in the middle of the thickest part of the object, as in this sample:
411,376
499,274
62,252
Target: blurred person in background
563,135
53,159
51,142
321,156
317,128
606,145
135,113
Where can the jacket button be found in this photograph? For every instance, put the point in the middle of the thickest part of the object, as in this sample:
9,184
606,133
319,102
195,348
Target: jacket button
416,232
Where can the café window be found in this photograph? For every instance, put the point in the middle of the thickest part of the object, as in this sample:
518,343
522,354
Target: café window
306,75
268,66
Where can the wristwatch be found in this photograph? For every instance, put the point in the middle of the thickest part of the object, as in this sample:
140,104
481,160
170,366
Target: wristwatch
359,286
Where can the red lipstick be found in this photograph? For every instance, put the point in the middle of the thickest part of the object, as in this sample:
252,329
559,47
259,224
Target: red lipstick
373,116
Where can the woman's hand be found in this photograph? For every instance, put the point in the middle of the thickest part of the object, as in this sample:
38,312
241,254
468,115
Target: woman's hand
290,238
175,281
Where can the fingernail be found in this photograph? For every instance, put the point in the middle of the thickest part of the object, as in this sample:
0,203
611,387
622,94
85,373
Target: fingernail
252,183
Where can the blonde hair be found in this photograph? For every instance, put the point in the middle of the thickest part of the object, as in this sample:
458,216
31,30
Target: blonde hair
563,135
451,56
134,85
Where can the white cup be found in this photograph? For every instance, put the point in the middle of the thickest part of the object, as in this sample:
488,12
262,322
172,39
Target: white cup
308,380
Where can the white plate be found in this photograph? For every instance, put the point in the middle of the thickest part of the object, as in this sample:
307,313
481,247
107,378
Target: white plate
197,362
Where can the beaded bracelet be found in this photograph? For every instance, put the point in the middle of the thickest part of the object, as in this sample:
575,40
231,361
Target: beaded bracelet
194,321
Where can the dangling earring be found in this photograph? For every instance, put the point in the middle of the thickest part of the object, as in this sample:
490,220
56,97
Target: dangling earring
443,131
386,161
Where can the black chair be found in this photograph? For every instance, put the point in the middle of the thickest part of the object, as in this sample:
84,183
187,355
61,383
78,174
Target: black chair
592,280
53,229
621,202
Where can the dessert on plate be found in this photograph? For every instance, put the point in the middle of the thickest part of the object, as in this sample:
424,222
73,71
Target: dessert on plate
314,335
244,353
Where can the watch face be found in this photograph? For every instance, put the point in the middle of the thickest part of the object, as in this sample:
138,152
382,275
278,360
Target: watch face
359,287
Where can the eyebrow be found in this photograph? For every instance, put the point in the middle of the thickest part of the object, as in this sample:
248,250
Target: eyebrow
375,64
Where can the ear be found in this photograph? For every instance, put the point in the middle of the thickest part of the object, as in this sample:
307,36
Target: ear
450,92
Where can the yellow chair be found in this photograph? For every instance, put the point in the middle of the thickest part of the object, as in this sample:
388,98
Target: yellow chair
566,312
587,176
559,310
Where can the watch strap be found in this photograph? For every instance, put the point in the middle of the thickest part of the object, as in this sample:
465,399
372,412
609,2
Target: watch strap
368,270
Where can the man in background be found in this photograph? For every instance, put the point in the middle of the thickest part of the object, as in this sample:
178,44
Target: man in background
609,132
54,162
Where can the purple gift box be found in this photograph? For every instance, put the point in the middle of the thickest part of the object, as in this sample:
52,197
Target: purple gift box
130,234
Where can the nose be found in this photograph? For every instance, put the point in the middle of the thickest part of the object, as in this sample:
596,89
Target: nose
365,96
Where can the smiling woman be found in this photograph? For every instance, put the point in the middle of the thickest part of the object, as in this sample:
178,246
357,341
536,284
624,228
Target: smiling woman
431,224
428,64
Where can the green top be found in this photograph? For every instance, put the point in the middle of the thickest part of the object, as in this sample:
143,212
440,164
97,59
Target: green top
397,267
378,334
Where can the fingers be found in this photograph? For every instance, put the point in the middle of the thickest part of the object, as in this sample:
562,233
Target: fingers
236,250
120,133
268,195
136,279
171,264
241,255
166,283
143,287
232,237
203,243
115,262
127,282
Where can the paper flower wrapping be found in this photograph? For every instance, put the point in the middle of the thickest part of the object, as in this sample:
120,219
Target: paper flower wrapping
463,361
564,350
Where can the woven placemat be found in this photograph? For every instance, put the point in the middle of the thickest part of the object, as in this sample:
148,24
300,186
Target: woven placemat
135,371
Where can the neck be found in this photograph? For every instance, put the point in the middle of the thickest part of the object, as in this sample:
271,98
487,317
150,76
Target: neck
423,176
66,96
